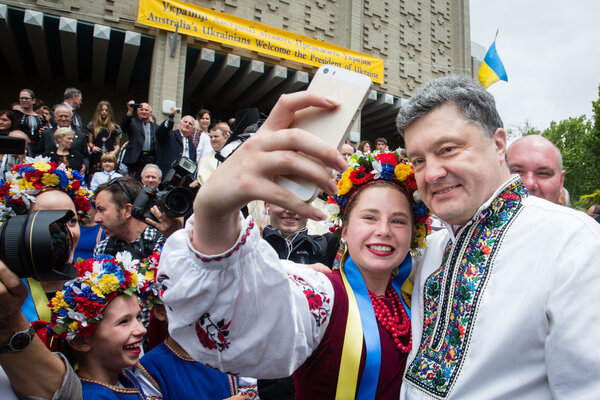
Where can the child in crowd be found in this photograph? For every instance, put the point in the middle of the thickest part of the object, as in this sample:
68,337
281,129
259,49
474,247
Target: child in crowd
168,372
98,315
109,167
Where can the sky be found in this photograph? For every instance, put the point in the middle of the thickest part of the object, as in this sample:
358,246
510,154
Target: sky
551,53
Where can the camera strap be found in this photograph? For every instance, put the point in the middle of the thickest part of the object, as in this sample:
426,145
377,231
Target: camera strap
137,249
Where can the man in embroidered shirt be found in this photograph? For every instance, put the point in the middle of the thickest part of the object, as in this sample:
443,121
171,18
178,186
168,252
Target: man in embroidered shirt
504,297
539,163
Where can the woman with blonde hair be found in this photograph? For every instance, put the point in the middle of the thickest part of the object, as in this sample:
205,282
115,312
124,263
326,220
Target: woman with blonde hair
65,153
104,134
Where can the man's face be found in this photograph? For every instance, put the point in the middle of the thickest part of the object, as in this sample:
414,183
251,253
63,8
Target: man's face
217,140
381,146
77,101
347,151
144,112
537,162
108,216
151,178
186,125
286,221
63,116
457,169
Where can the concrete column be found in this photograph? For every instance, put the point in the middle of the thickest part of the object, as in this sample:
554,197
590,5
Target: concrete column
167,74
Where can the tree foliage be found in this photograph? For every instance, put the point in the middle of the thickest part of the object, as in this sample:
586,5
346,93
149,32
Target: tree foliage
578,140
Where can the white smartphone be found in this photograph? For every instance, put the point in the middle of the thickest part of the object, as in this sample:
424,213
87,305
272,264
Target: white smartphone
351,89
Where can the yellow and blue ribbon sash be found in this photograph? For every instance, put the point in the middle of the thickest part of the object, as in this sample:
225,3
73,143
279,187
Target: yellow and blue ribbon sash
35,307
362,323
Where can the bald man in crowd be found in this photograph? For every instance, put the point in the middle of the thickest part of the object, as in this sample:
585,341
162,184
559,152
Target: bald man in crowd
539,163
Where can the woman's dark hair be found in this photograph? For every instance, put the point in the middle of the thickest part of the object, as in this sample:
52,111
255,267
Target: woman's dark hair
11,116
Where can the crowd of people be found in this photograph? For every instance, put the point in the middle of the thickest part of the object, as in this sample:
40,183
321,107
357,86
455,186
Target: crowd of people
497,301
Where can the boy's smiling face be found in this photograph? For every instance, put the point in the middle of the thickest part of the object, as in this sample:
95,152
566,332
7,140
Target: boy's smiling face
117,342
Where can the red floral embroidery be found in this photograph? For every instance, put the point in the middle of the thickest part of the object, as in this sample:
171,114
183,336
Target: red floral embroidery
318,302
212,336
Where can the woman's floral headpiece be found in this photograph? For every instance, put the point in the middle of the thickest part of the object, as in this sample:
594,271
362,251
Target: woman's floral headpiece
365,169
23,182
77,308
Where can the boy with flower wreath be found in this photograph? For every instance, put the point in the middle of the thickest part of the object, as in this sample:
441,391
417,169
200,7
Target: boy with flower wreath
97,317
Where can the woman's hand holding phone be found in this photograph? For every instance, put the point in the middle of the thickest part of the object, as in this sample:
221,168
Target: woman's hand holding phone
249,173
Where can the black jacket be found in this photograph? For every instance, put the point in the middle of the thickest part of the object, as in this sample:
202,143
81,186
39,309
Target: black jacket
135,129
169,146
304,248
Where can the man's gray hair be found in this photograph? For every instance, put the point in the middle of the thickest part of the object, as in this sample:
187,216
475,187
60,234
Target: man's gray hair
63,107
70,92
152,166
473,101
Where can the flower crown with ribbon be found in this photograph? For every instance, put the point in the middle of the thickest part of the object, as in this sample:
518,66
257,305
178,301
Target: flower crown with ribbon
77,308
366,169
23,182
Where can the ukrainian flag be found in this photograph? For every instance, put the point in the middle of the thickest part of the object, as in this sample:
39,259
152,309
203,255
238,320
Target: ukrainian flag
492,70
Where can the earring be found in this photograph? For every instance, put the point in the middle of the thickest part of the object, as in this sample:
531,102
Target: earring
344,241
267,212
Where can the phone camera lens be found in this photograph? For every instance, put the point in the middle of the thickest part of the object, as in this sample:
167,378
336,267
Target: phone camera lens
326,71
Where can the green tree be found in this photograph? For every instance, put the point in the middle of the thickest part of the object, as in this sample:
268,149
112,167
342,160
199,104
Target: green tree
579,144
578,140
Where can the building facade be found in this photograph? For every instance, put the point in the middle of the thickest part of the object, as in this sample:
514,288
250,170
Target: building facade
100,47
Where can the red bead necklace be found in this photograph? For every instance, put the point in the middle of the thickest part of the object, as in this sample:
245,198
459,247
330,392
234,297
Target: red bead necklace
395,322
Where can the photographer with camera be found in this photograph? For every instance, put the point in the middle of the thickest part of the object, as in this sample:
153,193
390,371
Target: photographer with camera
114,204
141,129
20,349
38,235
176,143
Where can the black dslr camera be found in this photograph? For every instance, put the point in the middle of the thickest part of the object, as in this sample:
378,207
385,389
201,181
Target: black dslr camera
173,197
38,245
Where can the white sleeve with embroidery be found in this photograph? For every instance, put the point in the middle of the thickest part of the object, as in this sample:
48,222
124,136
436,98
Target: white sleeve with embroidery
244,311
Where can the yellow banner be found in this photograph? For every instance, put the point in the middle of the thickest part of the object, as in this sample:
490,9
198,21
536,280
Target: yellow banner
228,29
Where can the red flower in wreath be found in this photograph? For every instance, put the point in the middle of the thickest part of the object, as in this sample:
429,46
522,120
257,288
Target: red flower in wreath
360,176
82,203
75,185
387,158
411,183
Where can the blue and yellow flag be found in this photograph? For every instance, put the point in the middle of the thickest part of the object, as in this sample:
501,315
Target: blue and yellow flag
492,70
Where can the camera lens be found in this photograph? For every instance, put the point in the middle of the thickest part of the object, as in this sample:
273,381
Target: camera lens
38,245
178,202
326,71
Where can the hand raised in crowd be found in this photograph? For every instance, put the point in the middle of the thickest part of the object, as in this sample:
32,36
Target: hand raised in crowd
166,225
129,107
249,173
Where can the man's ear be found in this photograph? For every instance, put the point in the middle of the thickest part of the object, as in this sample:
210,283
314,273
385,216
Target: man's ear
81,344
160,312
127,210
499,140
